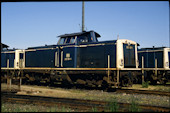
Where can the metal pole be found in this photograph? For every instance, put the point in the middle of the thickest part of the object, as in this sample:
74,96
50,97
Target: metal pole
83,16
7,63
20,81
156,67
142,69
118,77
10,83
8,80
108,68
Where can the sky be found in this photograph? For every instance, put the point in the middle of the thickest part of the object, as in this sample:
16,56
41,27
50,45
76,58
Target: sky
30,24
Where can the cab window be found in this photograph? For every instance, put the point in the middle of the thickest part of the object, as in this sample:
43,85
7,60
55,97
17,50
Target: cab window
83,39
72,40
67,40
62,40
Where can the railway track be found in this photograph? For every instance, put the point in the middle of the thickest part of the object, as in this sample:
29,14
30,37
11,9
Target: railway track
148,92
80,104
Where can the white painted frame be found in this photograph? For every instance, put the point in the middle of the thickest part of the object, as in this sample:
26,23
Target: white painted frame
120,54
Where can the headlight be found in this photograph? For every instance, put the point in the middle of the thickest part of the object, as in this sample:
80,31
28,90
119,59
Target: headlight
121,63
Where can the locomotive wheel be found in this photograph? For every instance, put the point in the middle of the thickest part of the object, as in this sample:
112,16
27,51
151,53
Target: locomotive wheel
105,86
3,79
126,81
153,82
153,79
162,79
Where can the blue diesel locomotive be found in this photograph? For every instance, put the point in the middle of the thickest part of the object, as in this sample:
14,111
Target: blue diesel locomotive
78,58
156,64
12,58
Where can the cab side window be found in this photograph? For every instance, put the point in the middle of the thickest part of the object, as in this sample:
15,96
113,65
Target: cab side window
68,40
62,40
72,40
83,39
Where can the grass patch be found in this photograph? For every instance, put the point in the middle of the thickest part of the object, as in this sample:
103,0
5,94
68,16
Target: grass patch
168,83
94,109
113,106
134,106
52,109
145,84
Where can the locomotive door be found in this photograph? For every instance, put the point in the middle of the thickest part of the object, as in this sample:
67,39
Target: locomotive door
19,59
129,56
59,58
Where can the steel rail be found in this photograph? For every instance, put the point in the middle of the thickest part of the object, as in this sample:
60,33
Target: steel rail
148,92
81,104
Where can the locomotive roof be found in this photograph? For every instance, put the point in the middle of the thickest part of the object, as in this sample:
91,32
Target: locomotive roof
6,50
45,46
153,48
80,33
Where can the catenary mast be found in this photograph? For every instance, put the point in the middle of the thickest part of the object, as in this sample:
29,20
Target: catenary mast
82,16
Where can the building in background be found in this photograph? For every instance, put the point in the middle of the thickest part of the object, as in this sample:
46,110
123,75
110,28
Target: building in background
4,46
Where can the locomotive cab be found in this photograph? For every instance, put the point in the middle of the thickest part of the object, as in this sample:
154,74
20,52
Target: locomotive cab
78,38
68,54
